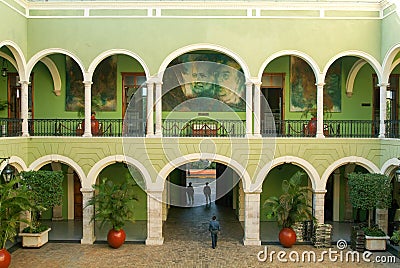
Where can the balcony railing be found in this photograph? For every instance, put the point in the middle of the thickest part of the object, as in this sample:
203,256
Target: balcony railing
10,127
203,128
199,128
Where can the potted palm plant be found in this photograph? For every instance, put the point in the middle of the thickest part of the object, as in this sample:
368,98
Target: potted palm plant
290,207
13,201
114,203
369,191
46,191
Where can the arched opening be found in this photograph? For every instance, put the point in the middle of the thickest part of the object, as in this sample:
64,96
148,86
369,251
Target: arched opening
65,220
188,220
205,86
137,230
272,186
338,210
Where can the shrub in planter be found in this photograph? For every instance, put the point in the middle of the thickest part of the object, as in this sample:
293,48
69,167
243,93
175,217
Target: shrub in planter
395,237
46,191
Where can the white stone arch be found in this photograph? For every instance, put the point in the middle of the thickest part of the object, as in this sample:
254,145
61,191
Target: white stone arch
311,62
47,159
109,160
203,46
15,161
300,162
169,167
18,57
365,163
41,54
111,52
356,53
388,62
389,166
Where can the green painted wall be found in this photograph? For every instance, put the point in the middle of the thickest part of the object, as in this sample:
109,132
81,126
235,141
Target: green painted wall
388,38
272,185
117,173
236,35
16,26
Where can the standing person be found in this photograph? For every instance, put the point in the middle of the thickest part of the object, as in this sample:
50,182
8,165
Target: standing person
207,193
214,228
190,193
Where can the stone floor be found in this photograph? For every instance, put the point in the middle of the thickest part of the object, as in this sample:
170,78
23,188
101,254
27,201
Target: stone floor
187,244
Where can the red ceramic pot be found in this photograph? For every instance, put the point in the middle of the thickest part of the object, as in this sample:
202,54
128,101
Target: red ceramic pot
116,238
287,237
312,127
5,258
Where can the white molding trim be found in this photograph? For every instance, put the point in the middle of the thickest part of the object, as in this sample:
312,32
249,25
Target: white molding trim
388,61
18,57
352,76
54,74
117,51
203,46
170,166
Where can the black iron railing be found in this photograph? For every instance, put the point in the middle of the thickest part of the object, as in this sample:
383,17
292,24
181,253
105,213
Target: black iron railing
199,128
10,127
203,128
331,128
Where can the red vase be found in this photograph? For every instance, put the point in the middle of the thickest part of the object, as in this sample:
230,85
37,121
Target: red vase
116,238
312,127
5,258
95,127
287,237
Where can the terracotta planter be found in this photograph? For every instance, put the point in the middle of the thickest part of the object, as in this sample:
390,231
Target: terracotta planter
287,237
312,127
116,238
5,258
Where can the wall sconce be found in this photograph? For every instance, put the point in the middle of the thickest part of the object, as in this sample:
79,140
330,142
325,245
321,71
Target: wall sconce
4,69
8,173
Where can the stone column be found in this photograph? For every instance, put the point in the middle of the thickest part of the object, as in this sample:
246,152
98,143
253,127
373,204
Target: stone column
71,208
249,108
154,218
319,205
257,108
150,111
88,236
336,195
320,110
381,217
241,202
88,109
252,219
24,107
158,101
382,110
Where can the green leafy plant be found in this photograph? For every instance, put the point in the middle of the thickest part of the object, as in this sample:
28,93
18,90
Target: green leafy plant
292,205
373,230
114,203
369,191
46,191
395,237
13,201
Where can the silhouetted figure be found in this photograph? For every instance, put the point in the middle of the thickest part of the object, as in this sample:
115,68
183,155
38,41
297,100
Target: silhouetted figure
214,228
207,193
190,194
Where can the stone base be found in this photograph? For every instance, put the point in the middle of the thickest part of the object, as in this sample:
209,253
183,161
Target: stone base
251,242
88,241
35,240
154,241
376,242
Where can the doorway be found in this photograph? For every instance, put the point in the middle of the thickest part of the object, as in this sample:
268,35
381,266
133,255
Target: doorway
272,90
78,215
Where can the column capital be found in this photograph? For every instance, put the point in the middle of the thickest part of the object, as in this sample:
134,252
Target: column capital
383,84
249,82
87,190
87,83
255,81
320,84
257,191
319,191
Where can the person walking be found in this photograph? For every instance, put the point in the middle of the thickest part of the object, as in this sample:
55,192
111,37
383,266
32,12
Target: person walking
190,194
207,193
214,228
